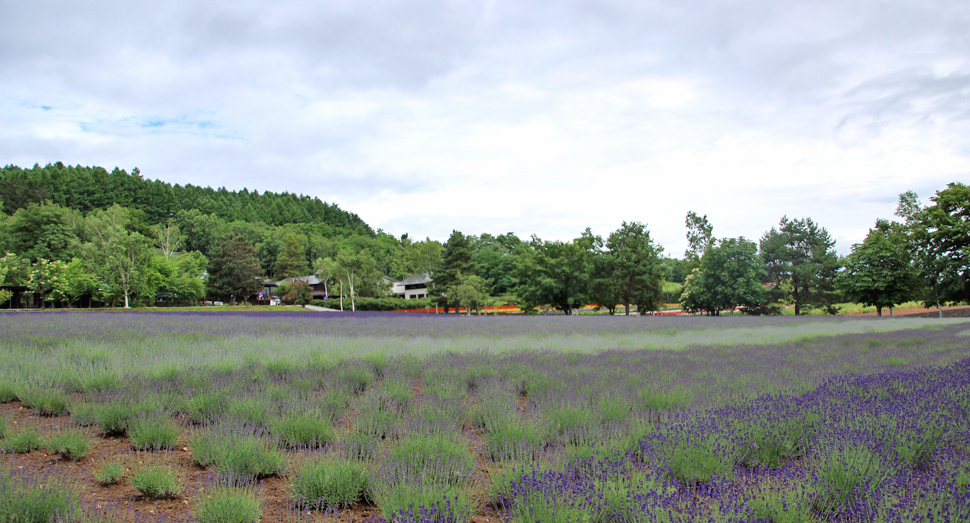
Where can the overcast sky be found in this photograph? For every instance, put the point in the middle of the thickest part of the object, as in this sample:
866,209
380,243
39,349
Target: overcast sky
498,116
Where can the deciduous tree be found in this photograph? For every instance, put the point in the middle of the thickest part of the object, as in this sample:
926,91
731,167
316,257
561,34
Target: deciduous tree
879,271
636,267
699,237
730,276
554,273
123,255
940,235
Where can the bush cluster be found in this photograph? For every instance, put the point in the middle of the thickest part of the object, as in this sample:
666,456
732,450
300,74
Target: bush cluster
376,304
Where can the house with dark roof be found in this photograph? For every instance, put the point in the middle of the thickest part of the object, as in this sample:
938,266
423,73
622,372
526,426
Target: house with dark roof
413,287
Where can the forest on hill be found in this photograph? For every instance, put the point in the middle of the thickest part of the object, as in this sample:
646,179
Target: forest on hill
90,188
86,236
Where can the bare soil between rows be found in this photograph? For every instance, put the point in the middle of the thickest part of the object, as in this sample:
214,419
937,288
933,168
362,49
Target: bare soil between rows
122,499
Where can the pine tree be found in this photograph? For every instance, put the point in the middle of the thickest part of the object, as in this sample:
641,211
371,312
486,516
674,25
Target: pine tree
291,260
458,257
234,271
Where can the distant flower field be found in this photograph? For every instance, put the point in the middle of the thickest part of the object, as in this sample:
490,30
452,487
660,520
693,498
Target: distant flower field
304,417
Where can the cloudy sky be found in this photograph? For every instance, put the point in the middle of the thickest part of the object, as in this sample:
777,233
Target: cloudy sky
495,116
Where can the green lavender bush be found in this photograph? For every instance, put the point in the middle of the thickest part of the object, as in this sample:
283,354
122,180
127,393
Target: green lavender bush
69,444
331,483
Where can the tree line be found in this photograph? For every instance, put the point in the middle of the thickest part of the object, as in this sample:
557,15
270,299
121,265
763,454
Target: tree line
925,256
74,253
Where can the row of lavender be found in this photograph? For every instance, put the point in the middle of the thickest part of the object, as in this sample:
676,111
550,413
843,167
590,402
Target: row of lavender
891,447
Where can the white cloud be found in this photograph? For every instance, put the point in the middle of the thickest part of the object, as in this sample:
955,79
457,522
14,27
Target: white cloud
496,116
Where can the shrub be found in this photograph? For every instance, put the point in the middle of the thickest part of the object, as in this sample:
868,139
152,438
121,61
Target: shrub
153,433
109,472
845,476
248,410
228,505
780,508
356,377
494,412
500,488
35,498
335,403
417,503
205,407
112,418
304,429
331,483
84,415
772,446
376,304
375,416
435,458
69,444
231,452
22,441
359,446
700,461
8,392
441,414
157,481
46,401
573,425
917,448
4,427
514,441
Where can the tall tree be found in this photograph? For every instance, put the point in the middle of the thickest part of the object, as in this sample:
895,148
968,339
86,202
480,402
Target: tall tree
47,281
730,276
458,256
359,268
801,262
940,234
234,271
471,291
636,267
326,270
879,271
122,255
46,231
554,274
168,238
80,281
291,261
604,290
699,236
495,257
426,256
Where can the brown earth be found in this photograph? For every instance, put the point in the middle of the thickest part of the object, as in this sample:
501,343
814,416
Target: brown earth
123,499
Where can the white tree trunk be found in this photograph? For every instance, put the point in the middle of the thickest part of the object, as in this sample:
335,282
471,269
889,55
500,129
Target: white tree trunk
350,277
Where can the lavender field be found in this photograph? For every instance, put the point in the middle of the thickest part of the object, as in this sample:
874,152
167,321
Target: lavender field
328,417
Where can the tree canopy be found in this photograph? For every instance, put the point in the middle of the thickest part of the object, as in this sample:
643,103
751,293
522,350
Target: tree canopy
730,275
801,263
879,272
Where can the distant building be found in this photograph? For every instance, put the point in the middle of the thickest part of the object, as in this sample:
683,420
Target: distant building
413,287
269,295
